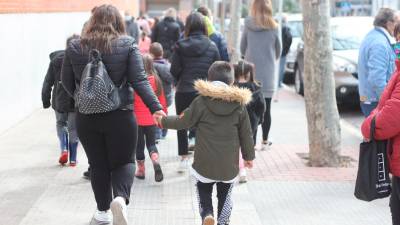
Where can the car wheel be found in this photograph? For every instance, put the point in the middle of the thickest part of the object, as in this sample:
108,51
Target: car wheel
298,82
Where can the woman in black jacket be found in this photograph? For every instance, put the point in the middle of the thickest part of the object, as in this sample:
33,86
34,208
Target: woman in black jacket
109,139
191,60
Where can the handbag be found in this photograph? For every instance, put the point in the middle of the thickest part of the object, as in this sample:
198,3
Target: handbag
373,181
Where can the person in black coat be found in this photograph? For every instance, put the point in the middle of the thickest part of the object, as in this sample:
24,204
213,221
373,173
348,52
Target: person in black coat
167,32
191,60
53,94
286,43
244,78
109,139
132,28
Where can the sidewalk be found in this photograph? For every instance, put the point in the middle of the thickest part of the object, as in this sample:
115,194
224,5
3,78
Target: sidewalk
281,190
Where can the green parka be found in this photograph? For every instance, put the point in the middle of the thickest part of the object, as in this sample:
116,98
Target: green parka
222,129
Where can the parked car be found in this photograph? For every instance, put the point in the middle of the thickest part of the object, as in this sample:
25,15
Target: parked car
346,41
295,23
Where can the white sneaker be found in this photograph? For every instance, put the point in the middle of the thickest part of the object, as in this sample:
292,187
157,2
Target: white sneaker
265,145
242,176
102,218
192,142
183,165
118,209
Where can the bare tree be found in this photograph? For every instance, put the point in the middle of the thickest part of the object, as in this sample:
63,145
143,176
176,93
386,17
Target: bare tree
321,107
234,30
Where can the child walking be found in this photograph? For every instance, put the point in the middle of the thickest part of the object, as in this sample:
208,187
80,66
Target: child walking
163,67
54,94
147,128
223,129
244,78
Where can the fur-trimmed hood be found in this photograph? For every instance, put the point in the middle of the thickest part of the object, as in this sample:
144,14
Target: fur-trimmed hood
222,100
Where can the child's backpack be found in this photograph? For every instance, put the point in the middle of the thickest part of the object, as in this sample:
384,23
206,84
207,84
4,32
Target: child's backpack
96,93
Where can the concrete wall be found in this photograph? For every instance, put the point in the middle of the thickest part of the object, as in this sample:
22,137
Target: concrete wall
26,41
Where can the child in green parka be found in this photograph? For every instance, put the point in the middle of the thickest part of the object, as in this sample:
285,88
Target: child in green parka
223,129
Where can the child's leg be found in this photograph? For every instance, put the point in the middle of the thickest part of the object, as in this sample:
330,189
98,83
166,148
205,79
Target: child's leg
204,196
140,144
150,133
61,123
72,138
224,195
140,171
241,161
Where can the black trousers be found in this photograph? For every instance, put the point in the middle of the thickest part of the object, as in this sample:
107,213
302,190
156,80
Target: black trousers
266,125
224,193
182,101
395,200
109,140
146,138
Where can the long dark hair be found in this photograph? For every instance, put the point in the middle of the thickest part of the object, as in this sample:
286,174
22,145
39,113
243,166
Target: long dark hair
195,23
150,70
105,25
246,70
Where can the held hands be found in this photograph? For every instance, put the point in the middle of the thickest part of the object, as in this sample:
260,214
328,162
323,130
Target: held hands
248,164
157,117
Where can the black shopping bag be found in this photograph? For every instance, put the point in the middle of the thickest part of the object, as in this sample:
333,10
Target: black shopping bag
373,181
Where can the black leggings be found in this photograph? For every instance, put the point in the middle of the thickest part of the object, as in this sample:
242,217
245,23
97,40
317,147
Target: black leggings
146,137
395,200
266,125
182,101
224,192
109,140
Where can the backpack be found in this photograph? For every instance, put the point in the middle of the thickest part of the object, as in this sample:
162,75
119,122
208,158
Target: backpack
96,93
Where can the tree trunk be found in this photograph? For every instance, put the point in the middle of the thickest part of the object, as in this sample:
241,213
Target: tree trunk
319,83
234,30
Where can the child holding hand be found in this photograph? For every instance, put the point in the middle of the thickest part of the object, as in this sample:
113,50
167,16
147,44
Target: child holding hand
223,129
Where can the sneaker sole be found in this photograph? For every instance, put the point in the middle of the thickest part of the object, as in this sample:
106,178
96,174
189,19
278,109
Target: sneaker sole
118,217
209,221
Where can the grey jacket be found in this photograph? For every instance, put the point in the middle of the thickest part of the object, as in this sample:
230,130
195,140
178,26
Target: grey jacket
262,47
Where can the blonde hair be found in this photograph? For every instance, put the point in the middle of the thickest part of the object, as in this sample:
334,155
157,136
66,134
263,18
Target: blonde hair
261,11
171,12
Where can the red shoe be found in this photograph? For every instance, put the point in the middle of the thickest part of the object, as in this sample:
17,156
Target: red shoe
63,158
72,164
140,172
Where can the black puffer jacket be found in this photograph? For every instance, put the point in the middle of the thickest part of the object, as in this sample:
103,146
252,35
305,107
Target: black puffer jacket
191,60
256,107
52,88
125,61
166,33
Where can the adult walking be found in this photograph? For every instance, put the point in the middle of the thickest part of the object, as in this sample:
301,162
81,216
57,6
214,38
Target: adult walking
132,28
109,138
191,60
376,60
213,34
286,43
167,32
387,127
260,45
53,94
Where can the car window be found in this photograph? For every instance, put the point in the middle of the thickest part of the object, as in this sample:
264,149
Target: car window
296,28
345,37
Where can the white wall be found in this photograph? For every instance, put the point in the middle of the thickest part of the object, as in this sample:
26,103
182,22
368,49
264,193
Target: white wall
26,40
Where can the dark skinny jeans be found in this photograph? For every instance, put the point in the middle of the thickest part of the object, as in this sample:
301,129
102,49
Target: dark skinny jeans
109,140
182,101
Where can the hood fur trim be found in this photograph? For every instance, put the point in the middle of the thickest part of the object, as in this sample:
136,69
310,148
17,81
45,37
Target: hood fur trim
229,94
